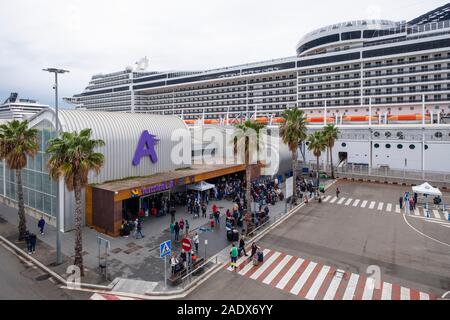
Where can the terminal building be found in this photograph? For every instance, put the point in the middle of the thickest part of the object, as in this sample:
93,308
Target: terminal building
145,156
344,69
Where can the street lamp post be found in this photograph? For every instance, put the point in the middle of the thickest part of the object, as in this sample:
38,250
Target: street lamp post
58,218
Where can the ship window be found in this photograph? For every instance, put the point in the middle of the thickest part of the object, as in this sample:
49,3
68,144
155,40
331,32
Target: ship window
376,134
411,146
387,134
426,147
343,144
438,134
388,146
376,145
399,146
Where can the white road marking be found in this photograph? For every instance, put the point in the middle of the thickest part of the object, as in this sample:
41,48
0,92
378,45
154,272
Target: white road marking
363,204
302,280
266,264
351,287
404,293
436,214
389,207
334,285
425,212
416,212
326,198
97,296
284,281
368,289
317,283
397,208
341,200
380,206
348,201
333,200
276,270
372,205
387,291
356,202
424,296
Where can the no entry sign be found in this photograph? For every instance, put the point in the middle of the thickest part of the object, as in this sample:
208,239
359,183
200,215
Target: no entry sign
186,244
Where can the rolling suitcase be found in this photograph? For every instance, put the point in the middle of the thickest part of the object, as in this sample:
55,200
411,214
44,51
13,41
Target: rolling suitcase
260,256
229,235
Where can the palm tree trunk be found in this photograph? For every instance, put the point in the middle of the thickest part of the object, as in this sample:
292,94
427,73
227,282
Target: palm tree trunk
318,175
78,227
331,160
22,219
294,175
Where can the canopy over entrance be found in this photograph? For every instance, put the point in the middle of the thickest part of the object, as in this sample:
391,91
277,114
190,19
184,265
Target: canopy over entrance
428,189
201,186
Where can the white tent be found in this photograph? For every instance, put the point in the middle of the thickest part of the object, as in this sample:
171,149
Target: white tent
426,188
201,186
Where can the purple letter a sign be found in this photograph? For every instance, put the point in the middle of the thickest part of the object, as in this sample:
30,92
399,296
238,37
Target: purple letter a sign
146,147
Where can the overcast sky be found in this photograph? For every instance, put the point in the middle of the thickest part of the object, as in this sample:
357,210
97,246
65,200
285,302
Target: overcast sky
100,36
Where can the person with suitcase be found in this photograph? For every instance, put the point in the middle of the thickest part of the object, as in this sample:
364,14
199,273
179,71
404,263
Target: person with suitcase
242,247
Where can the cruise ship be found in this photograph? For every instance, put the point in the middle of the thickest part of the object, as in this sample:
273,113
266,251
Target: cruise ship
379,69
18,108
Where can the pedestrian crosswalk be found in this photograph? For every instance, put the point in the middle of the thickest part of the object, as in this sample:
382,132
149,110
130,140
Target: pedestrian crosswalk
316,281
385,207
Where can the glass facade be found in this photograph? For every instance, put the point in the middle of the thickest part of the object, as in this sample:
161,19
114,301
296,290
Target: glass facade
39,191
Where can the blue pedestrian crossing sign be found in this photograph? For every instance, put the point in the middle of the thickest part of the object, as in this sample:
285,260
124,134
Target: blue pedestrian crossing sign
165,248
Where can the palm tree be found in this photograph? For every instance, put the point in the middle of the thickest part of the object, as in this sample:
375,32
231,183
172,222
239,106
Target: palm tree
293,133
247,137
317,145
331,135
72,156
17,142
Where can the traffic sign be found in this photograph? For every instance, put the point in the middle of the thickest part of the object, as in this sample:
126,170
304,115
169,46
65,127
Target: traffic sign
165,248
186,244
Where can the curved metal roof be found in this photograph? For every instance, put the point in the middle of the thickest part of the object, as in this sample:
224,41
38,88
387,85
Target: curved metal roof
121,133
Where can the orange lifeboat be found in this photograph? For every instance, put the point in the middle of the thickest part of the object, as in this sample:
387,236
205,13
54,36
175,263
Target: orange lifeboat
358,118
408,117
189,121
262,120
278,120
211,121
319,119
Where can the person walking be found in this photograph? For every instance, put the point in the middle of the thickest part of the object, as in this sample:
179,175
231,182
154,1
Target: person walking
196,241
33,240
217,218
172,229
187,227
181,224
415,200
411,204
176,229
242,246
204,210
234,255
27,241
254,249
337,192
173,263
41,224
400,201
172,214
139,229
